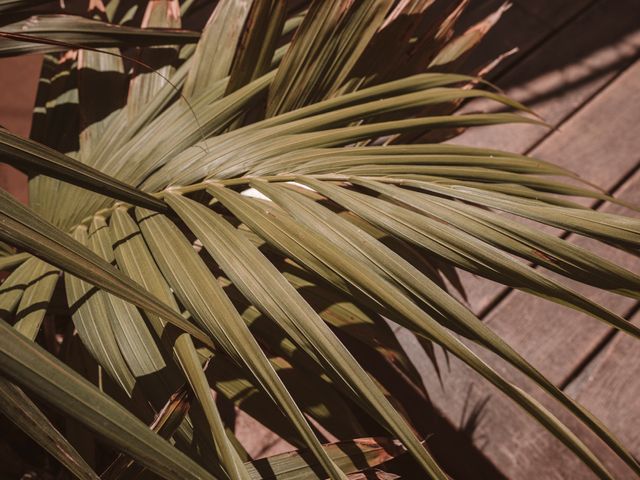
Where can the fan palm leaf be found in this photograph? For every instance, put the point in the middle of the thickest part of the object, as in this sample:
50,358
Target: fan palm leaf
230,215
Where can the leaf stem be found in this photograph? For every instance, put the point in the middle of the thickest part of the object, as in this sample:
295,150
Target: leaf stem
196,187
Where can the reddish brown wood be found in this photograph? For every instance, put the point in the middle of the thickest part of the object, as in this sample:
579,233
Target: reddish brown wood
18,82
553,12
556,341
609,388
517,28
596,138
565,72
590,64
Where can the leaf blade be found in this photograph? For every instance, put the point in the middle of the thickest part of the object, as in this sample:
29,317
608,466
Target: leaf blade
24,228
34,368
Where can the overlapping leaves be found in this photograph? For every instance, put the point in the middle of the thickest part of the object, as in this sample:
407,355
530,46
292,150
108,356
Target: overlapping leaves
290,219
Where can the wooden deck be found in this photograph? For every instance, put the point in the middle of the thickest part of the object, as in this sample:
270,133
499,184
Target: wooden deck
579,68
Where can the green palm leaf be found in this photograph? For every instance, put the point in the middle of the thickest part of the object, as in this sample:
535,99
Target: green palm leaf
256,205
34,368
30,156
54,33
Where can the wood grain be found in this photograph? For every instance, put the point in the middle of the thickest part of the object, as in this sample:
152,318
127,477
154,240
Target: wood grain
582,79
563,73
596,138
556,340
553,12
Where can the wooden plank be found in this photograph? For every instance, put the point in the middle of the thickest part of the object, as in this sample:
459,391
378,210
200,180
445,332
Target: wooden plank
610,389
553,12
577,86
564,73
524,26
517,28
555,340
18,82
258,440
600,142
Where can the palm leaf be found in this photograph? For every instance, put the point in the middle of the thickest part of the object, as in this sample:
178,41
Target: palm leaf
24,228
352,226
30,156
19,408
54,33
351,457
34,368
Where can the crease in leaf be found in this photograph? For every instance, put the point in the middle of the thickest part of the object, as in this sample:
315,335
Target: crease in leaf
24,228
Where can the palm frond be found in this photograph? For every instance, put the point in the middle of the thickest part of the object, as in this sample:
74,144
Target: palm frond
250,216
55,33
